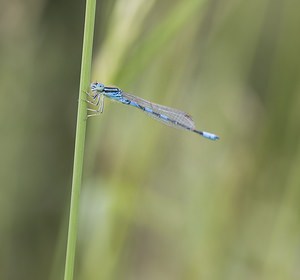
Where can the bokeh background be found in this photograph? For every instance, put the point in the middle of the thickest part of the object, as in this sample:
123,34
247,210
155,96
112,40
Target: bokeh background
156,203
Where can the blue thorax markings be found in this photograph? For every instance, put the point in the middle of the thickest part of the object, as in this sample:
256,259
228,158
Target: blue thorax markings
112,92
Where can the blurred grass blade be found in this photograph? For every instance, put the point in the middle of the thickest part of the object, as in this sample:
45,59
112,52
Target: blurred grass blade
159,37
80,136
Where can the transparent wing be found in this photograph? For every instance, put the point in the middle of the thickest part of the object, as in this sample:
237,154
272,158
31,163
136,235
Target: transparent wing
169,116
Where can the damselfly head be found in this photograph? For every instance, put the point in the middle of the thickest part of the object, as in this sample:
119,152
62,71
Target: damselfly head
98,87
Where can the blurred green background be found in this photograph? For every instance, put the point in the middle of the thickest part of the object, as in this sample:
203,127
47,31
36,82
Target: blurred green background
156,203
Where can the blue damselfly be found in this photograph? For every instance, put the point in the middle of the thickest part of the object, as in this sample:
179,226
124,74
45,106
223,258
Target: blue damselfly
166,115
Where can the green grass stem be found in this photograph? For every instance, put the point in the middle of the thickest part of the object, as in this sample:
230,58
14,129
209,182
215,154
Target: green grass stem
80,136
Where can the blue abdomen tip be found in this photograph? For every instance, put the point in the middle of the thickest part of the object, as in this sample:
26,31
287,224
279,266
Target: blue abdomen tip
210,136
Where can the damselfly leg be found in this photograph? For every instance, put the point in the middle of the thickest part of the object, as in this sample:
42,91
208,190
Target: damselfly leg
97,101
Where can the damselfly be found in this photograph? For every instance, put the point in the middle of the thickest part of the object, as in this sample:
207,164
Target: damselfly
166,115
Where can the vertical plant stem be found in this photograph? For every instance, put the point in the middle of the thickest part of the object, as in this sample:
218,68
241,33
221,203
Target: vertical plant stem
80,136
